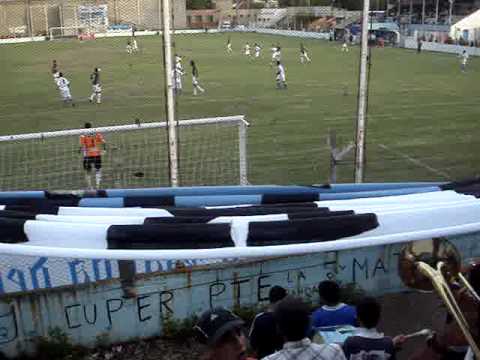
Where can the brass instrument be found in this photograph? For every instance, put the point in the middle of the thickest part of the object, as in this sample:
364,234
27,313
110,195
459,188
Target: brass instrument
433,265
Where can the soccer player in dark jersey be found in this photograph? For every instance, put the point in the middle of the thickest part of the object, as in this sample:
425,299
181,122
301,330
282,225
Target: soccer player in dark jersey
55,72
196,84
96,86
304,54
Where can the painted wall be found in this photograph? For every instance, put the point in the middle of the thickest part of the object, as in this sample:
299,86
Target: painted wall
88,312
411,43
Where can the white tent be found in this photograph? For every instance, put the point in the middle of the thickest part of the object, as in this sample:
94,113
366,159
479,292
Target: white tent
468,28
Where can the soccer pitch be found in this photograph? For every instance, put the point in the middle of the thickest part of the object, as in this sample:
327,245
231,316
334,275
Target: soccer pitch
422,121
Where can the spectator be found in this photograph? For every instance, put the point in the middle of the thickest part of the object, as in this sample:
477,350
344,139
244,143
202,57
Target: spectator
333,312
222,332
293,320
368,342
264,337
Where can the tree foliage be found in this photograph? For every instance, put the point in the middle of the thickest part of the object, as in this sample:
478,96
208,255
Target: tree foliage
199,4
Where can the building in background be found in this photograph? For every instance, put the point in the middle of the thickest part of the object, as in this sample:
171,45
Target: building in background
19,18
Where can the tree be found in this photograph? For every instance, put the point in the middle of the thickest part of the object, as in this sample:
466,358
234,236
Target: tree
199,4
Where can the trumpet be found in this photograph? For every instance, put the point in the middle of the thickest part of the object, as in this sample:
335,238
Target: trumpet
435,264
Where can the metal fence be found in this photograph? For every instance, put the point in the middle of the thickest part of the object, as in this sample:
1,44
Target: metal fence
35,17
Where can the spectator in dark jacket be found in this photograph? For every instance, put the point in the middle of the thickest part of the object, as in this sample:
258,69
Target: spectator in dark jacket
368,343
333,312
264,336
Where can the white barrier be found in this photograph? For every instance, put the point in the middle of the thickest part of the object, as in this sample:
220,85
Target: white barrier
22,40
127,33
293,33
411,43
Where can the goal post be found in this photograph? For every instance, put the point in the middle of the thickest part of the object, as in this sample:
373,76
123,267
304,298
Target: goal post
58,32
212,151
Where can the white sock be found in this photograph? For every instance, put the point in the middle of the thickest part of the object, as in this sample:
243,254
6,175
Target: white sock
99,98
89,181
98,178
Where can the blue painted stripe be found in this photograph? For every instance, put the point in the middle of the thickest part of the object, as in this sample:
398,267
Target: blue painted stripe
22,194
102,202
262,189
217,200
369,194
380,186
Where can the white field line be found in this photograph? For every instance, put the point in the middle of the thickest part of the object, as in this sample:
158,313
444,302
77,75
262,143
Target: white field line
416,161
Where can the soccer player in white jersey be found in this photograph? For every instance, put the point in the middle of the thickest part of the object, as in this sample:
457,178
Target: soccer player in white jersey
177,80
178,62
464,60
281,78
195,83
246,50
304,54
96,86
64,87
129,47
134,45
257,50
276,54
229,46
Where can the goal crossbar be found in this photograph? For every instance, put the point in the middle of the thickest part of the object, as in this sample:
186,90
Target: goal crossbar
238,119
213,152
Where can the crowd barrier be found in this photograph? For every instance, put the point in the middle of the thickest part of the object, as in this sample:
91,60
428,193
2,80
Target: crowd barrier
411,43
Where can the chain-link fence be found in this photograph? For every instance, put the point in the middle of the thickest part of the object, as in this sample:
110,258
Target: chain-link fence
421,111
36,17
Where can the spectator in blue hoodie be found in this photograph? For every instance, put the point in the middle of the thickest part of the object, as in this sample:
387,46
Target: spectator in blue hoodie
333,312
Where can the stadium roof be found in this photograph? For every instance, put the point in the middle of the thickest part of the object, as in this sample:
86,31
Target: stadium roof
470,22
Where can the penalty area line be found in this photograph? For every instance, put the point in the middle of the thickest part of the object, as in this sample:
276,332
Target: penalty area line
416,161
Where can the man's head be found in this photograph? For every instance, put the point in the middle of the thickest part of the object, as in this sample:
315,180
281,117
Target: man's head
329,292
88,125
60,74
368,312
276,294
222,332
293,318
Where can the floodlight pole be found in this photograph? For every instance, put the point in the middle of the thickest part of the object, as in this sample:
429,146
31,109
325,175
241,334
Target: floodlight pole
170,105
450,12
362,98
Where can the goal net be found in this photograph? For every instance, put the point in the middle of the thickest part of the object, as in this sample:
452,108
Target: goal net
60,32
211,151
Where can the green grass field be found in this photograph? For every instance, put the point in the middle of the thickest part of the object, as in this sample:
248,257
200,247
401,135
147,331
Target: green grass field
423,112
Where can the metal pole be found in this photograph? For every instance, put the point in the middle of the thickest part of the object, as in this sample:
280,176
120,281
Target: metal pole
170,105
436,12
423,12
362,98
450,11
333,151
138,13
410,11
242,131
45,11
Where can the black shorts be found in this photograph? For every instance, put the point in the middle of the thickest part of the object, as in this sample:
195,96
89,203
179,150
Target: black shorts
96,161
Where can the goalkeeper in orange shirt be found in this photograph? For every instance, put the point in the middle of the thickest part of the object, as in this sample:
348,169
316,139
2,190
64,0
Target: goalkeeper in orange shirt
92,146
